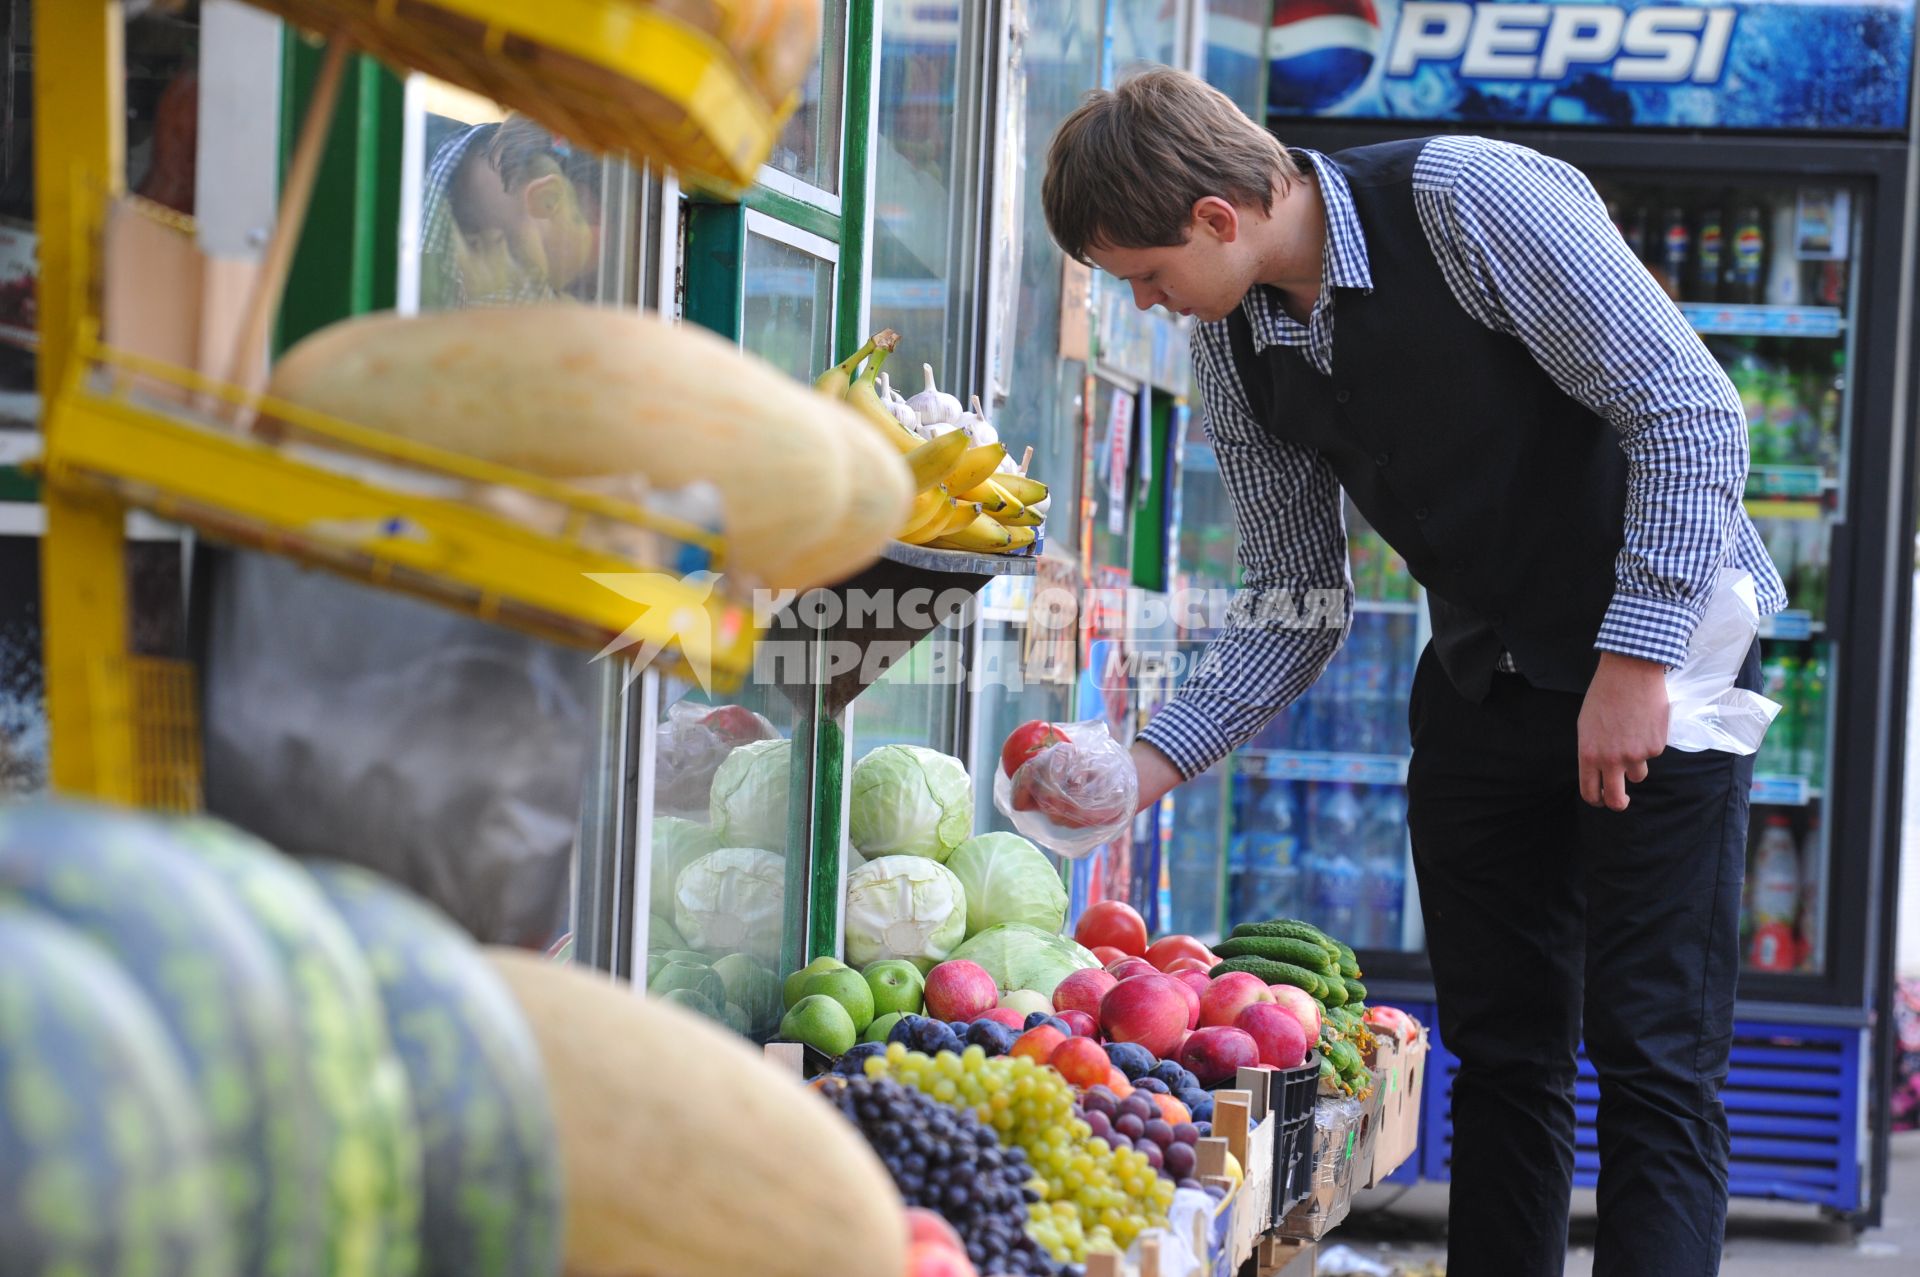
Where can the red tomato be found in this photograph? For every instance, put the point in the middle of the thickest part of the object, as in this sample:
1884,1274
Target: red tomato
1115,923
1108,955
1026,740
1167,948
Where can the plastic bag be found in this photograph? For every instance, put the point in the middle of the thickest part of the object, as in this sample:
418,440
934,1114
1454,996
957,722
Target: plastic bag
693,740
1706,711
1073,796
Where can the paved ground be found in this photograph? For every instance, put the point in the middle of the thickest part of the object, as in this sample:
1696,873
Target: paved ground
1406,1230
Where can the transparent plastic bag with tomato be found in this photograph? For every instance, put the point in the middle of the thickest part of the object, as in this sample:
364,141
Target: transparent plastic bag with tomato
1068,786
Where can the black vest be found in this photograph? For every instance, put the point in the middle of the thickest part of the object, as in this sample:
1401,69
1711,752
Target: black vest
1505,496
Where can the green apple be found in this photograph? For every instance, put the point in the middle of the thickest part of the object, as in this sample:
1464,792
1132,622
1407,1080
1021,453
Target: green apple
881,1026
821,1023
845,986
897,985
1026,1001
790,989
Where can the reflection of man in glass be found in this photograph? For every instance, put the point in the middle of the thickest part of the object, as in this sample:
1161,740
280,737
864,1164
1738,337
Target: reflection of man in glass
511,216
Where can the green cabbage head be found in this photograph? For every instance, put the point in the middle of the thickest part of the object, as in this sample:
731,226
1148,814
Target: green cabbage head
1008,879
748,806
909,801
903,907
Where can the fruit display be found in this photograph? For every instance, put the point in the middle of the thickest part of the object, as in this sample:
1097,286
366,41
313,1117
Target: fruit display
293,1070
969,493
492,1204
1316,979
806,495
123,1187
686,1151
944,1158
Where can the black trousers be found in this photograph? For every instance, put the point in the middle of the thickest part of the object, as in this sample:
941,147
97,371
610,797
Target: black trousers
1549,920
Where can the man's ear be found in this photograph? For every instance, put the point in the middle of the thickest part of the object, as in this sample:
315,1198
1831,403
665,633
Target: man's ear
1216,217
544,195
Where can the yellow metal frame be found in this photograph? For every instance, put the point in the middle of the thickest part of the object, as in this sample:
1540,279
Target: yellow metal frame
122,431
617,75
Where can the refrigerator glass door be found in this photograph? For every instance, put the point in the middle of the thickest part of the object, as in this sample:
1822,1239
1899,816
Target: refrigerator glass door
1767,272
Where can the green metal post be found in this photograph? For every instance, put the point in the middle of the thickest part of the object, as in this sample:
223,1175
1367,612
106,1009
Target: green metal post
855,167
348,259
716,254
823,901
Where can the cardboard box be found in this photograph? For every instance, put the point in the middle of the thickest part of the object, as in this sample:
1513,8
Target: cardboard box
1400,1078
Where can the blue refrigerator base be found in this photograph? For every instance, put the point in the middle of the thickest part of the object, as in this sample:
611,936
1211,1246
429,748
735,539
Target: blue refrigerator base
1794,1104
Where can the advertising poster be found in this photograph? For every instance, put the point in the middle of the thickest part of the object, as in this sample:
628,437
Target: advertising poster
1756,65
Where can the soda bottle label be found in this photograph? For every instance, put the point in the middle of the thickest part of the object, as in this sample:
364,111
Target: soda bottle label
1677,245
1748,248
1711,240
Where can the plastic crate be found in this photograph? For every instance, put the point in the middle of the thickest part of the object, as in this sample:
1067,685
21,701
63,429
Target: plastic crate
1294,1092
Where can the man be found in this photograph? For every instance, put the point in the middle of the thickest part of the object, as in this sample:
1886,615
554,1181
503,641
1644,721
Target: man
1453,331
510,216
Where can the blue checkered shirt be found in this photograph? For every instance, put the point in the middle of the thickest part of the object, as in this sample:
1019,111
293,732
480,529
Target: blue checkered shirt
1529,250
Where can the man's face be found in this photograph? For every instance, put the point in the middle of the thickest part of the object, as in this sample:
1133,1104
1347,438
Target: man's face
1196,278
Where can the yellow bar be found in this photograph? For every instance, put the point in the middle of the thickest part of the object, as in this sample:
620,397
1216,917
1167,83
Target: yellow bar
80,155
1767,508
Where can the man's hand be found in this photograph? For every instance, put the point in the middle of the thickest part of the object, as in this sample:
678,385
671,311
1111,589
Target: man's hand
1157,774
1623,723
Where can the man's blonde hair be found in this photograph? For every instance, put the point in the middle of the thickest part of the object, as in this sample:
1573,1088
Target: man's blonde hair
1126,168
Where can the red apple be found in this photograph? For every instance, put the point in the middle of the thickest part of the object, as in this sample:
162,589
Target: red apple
1392,1021
1301,1003
1191,996
1003,1015
1131,967
1190,964
960,990
1082,1024
1115,923
1082,991
1081,1061
1037,1043
1225,997
1107,954
1216,1054
1198,981
1162,952
1026,740
932,1259
928,1226
1277,1035
1150,1010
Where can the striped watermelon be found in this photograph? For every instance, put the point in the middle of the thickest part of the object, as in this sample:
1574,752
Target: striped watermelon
219,989
106,1168
493,1203
374,1187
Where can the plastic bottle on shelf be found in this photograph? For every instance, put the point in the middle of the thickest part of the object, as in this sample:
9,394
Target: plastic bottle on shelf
1383,874
1674,250
1789,423
1779,680
1783,268
1746,251
1810,700
1366,684
1709,256
1776,897
1363,552
1809,588
1812,922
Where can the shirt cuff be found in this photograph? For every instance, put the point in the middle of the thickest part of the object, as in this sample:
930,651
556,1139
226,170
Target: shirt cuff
1191,741
1649,628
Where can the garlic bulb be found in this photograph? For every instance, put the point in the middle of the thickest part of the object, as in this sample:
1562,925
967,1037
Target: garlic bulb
978,428
934,404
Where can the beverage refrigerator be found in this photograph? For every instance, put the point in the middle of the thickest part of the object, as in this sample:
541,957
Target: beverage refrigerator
1756,156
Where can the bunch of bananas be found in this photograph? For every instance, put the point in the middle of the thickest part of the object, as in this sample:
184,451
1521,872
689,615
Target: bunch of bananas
969,496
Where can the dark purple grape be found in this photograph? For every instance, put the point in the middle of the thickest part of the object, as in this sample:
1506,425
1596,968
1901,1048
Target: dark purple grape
1099,1099
1130,1125
1141,1107
1099,1123
1192,1183
1159,1132
1186,1133
1180,1160
1117,1140
1215,1192
1155,1158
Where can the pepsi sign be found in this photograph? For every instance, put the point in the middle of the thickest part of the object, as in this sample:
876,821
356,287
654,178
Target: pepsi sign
1750,64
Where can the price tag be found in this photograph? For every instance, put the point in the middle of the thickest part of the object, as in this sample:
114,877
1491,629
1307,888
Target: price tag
1119,453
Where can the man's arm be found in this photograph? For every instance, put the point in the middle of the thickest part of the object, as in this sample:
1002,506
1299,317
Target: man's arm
1531,251
1290,617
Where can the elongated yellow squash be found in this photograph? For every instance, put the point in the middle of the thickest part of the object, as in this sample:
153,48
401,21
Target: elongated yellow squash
689,1155
574,392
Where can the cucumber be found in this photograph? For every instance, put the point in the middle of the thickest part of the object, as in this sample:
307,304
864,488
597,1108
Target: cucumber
1272,972
1356,992
1301,953
1349,964
1283,929
1336,994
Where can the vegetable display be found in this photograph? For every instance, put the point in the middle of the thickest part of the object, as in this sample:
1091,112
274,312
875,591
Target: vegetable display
907,800
1019,956
1008,879
748,802
730,901
906,907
